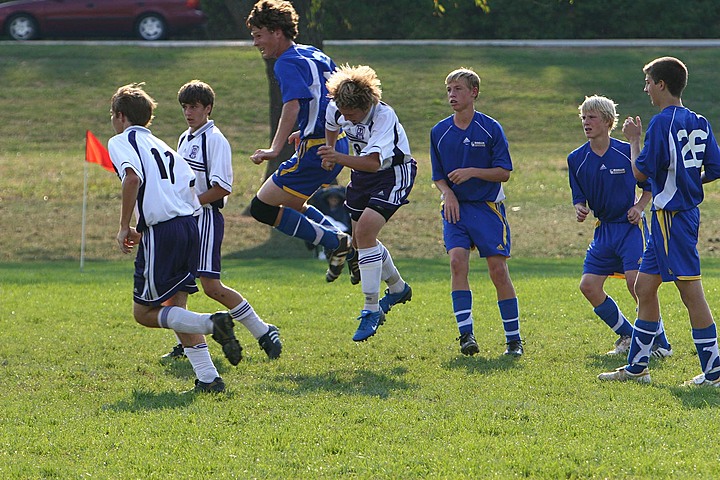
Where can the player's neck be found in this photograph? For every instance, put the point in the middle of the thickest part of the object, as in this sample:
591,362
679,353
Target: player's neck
462,118
600,145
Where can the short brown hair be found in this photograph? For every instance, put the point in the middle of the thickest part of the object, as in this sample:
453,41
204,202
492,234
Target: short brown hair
274,15
196,91
135,103
671,71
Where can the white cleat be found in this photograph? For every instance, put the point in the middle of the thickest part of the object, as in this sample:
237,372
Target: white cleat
622,375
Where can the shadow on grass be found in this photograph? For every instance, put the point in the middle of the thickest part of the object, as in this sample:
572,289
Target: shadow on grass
478,364
143,400
181,368
697,397
358,382
278,245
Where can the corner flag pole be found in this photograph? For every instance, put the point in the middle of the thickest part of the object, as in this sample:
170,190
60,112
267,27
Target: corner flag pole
84,210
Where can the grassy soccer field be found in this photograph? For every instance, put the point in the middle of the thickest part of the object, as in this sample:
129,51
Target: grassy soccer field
85,394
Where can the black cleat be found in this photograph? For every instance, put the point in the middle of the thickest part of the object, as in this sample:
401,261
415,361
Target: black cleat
337,259
468,345
353,266
514,348
177,352
223,333
216,386
270,342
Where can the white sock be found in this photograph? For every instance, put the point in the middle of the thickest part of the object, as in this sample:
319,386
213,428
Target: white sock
245,314
390,273
184,321
202,364
370,262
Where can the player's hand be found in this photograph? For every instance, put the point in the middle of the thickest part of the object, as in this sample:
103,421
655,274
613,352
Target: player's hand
262,154
632,128
451,207
581,212
329,157
294,138
634,215
127,238
460,175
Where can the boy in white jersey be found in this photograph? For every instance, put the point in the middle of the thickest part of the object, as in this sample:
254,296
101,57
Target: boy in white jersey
158,187
602,181
207,151
383,173
679,155
470,161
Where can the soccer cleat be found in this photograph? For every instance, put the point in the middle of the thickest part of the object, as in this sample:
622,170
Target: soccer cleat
223,333
622,346
338,257
216,386
701,381
660,352
622,375
369,323
514,348
353,266
468,345
390,299
177,352
270,342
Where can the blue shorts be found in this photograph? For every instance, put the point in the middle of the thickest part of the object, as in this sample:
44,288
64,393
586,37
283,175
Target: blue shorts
166,262
482,225
303,174
212,230
672,247
616,248
383,191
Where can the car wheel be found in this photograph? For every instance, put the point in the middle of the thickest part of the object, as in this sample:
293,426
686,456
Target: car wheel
151,26
22,27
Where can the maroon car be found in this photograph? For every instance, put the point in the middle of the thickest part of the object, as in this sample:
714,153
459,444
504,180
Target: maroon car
146,19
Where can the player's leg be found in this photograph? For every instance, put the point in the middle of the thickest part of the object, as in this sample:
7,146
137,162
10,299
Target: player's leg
398,291
647,322
507,303
370,253
605,307
661,347
704,331
462,299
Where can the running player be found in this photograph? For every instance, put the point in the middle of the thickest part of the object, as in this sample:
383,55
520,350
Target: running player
301,71
601,181
207,151
470,161
679,155
383,173
158,186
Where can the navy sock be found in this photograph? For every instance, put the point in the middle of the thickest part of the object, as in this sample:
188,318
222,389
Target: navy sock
642,339
462,308
610,313
706,345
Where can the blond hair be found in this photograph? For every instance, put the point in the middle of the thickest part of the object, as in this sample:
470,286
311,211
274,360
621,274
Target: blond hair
602,105
354,87
466,76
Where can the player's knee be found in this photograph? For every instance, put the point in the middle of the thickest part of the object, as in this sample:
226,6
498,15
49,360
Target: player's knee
263,212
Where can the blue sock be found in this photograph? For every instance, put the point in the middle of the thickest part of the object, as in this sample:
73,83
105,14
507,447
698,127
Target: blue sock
295,224
642,339
660,337
462,308
510,314
706,345
610,313
317,216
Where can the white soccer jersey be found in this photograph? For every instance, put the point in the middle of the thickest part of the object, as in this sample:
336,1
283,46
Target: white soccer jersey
167,182
380,132
208,153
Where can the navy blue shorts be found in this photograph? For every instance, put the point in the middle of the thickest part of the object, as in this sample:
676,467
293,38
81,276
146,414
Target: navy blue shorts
211,224
384,191
672,247
166,261
303,174
482,225
616,248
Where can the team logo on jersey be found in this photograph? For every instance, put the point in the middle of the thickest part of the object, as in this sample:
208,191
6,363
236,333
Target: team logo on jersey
477,144
360,132
603,167
466,141
194,151
617,171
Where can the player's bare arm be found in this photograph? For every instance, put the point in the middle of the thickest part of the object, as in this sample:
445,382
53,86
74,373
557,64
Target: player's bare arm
216,192
365,163
634,215
451,206
632,129
494,174
581,212
287,121
127,236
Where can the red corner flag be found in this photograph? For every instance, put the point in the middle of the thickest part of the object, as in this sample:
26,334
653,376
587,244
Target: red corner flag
95,152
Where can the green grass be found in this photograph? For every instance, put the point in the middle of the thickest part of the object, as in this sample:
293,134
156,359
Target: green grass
85,394
55,93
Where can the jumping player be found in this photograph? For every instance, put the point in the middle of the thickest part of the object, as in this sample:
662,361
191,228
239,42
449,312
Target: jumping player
158,186
301,71
601,181
383,173
679,155
470,161
207,151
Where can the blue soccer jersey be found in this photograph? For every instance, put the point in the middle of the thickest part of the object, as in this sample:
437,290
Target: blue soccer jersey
302,71
679,144
606,183
483,145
